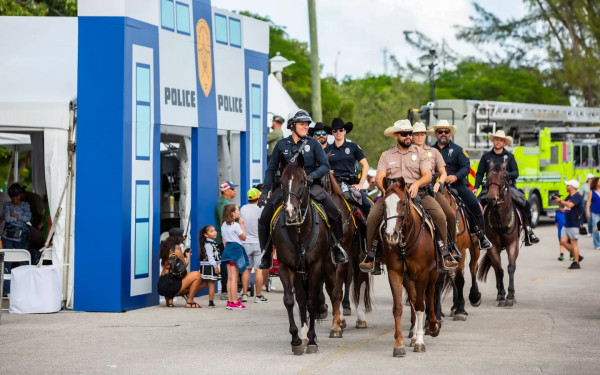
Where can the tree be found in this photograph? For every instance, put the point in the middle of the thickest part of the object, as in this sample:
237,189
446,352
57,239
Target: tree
567,30
479,80
38,8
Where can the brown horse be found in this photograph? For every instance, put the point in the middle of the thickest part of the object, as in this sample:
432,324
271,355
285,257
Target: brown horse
348,272
465,240
409,253
300,236
502,229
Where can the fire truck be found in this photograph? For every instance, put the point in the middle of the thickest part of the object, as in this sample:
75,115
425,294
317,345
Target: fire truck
552,144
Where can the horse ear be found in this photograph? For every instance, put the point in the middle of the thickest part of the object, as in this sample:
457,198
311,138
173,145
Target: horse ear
301,160
402,183
491,163
504,164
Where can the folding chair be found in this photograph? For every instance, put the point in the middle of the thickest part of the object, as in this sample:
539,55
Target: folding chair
14,255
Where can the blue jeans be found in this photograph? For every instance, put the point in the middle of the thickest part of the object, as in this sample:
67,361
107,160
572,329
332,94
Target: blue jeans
595,235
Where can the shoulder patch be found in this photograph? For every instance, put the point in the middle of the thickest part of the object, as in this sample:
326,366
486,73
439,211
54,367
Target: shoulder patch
465,152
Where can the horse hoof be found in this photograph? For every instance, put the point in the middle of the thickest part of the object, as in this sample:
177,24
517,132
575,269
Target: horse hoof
347,311
477,303
411,334
399,351
361,324
343,324
312,349
435,333
413,341
298,350
419,348
509,303
502,303
462,317
452,313
333,334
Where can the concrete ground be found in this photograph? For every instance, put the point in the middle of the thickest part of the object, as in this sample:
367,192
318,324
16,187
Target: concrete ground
553,329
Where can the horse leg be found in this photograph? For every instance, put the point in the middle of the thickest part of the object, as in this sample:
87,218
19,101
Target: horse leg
513,253
395,279
433,328
459,281
334,288
287,279
361,292
495,259
420,286
314,285
474,294
347,310
361,311
411,295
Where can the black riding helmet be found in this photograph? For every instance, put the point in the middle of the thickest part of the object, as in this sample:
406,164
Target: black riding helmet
14,190
298,116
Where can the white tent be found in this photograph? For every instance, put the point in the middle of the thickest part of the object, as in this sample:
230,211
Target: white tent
279,102
38,80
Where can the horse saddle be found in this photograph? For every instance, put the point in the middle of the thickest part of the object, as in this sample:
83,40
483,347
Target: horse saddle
318,208
424,215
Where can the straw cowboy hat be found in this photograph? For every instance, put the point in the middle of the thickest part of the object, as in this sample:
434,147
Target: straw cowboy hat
317,128
338,123
419,127
443,124
501,135
399,126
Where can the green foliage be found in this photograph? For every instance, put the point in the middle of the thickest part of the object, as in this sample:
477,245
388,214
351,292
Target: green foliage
478,80
38,8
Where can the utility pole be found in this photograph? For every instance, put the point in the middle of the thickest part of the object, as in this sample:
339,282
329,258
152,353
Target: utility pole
385,52
315,78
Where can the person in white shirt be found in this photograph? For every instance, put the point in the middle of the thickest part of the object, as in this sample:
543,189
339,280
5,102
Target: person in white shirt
250,213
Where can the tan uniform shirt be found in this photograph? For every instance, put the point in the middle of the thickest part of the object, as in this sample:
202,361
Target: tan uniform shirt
436,159
407,164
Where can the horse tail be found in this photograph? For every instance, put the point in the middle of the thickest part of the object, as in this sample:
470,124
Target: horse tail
447,284
484,267
357,277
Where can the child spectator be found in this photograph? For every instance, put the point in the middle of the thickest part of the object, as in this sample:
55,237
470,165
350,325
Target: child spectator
210,260
251,213
234,254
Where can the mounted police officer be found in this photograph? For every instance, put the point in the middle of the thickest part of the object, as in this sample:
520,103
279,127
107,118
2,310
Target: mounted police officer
410,162
499,155
457,168
315,166
343,156
320,133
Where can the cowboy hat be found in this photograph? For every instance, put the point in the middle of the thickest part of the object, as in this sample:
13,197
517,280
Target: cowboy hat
419,127
443,124
500,134
318,127
399,126
339,123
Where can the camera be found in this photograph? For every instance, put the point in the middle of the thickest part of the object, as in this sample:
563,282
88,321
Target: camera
555,196
188,250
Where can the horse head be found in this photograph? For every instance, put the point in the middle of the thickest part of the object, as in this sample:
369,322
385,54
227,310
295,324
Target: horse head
294,186
397,210
497,183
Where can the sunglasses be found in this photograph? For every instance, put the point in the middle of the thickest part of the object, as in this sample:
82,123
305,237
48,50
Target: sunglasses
318,134
443,132
337,130
405,134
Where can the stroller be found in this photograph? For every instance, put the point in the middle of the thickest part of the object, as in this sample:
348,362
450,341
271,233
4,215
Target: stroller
273,272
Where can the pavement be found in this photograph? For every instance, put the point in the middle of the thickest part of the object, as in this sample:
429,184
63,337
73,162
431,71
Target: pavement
553,329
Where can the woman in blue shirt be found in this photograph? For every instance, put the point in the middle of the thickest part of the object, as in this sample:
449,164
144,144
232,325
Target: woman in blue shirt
593,209
16,214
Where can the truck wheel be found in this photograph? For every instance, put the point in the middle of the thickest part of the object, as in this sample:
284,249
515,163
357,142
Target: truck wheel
536,209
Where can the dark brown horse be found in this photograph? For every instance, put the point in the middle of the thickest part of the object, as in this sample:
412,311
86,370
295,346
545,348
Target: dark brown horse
348,273
466,241
409,253
300,236
502,229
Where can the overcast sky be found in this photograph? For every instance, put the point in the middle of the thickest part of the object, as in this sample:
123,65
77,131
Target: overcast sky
360,29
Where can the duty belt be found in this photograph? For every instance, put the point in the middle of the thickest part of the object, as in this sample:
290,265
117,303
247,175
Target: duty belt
422,190
351,180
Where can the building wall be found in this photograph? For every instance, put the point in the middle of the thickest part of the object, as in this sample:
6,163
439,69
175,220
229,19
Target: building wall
140,67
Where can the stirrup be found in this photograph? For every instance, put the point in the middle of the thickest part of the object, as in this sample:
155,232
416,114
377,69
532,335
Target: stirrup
449,268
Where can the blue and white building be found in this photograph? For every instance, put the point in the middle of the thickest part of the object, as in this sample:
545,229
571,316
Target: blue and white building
150,71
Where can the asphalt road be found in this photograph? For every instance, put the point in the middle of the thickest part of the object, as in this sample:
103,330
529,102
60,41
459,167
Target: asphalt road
553,329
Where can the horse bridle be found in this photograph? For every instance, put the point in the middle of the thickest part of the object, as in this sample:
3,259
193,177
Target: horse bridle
300,201
503,187
399,235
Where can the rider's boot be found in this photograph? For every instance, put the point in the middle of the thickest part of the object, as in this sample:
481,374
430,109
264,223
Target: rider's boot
368,264
449,262
266,258
484,243
338,254
454,250
530,237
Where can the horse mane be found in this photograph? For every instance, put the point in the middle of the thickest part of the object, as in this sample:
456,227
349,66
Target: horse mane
335,187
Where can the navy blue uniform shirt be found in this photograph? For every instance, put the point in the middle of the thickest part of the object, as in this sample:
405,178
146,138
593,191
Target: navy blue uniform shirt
342,160
457,161
573,216
512,170
315,160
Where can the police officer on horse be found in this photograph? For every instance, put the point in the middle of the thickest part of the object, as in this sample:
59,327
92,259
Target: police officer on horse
343,156
458,168
499,155
316,166
320,133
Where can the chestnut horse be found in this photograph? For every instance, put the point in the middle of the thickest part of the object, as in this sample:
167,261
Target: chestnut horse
409,253
465,240
502,229
300,236
348,273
